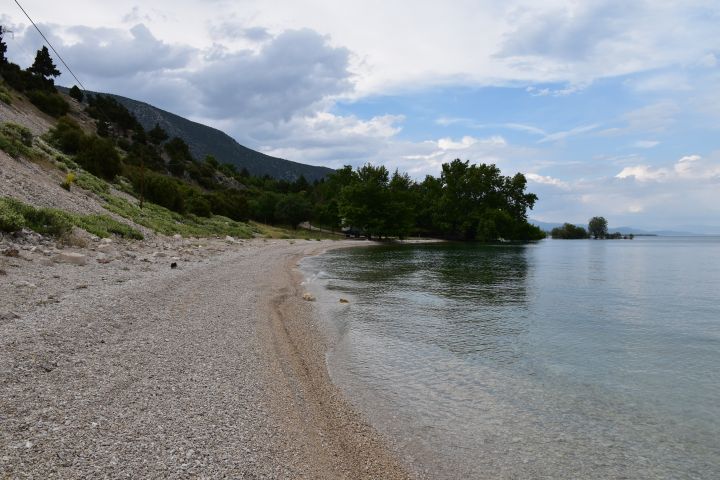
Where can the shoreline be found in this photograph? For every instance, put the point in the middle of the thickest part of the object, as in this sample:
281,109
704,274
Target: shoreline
123,366
352,448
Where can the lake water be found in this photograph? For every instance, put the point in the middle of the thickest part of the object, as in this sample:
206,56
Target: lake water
561,359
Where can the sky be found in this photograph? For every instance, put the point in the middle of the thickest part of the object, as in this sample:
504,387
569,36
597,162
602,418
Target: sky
608,107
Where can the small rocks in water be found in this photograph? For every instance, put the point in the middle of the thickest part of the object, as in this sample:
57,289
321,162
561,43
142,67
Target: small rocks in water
344,300
309,297
71,258
173,265
11,252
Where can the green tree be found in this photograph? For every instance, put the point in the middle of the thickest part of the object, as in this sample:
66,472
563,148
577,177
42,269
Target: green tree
76,93
98,156
3,47
157,135
363,202
569,231
598,227
292,208
43,65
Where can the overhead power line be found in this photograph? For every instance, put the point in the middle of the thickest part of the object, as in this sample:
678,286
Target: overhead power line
51,47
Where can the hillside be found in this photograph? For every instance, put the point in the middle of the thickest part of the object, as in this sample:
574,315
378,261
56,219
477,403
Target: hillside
204,140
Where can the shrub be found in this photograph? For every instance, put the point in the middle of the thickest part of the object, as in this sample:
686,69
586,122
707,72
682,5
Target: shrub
15,215
49,102
69,180
15,140
10,219
98,156
67,135
76,93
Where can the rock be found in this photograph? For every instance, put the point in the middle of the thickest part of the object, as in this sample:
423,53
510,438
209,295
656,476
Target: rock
2,272
11,252
104,247
173,265
46,262
159,254
9,316
177,236
104,260
230,239
71,258
344,300
24,284
308,297
106,241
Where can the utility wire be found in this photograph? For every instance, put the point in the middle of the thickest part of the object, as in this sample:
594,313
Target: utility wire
50,45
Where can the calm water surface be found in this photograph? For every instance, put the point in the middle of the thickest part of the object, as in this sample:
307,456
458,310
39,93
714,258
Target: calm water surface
562,359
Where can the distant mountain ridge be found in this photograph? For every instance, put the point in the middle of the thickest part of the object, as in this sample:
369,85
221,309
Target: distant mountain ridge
204,140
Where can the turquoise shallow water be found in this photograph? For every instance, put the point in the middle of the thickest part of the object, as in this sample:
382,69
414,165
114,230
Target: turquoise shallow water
562,359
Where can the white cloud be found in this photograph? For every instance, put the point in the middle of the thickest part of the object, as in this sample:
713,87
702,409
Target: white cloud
646,144
546,180
558,136
689,167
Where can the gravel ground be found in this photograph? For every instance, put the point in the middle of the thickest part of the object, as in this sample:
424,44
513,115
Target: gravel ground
126,368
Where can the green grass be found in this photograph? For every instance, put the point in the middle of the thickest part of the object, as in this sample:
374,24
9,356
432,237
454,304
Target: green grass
15,215
167,222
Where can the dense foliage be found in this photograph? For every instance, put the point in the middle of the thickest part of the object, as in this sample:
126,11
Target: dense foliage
36,82
569,232
598,227
466,202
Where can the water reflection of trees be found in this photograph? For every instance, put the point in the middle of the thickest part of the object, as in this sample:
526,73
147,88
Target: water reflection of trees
469,299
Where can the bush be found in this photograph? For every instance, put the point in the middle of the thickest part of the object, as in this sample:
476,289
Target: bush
15,140
49,102
67,135
10,219
99,157
69,180
76,93
15,215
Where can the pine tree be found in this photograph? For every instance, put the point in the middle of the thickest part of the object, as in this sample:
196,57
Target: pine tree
3,47
43,64
76,93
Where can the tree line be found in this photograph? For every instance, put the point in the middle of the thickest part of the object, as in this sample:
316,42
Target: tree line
597,229
466,202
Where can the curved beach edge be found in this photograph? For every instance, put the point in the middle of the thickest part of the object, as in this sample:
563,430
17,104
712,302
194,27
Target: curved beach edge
342,443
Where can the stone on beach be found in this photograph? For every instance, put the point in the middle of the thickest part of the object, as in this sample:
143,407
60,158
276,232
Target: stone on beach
71,258
309,297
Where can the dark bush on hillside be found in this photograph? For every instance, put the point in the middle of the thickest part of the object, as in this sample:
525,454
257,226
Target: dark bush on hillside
107,110
229,203
22,80
159,189
49,102
76,93
198,205
179,154
98,156
67,135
